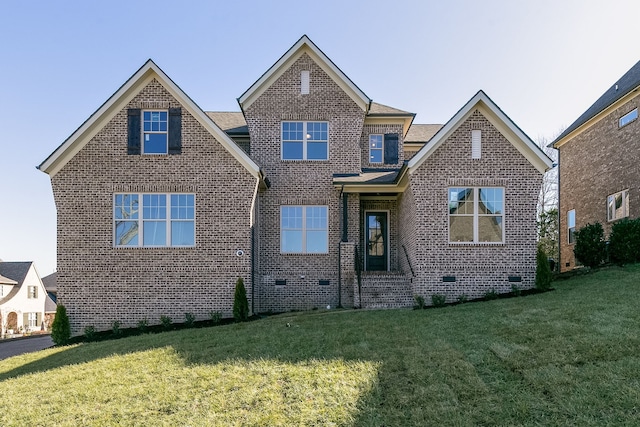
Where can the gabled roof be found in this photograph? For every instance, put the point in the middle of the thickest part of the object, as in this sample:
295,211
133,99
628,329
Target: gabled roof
480,101
15,271
303,45
118,100
50,282
377,109
629,82
421,133
232,122
7,281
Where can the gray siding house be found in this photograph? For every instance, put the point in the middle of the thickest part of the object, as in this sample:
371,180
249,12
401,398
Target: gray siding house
314,194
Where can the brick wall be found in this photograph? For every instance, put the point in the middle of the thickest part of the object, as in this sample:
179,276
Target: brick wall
602,160
99,283
302,183
425,218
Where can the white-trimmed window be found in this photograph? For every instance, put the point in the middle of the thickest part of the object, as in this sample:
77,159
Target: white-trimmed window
476,144
476,215
32,319
304,229
154,220
32,292
571,226
628,118
618,205
305,141
154,132
376,148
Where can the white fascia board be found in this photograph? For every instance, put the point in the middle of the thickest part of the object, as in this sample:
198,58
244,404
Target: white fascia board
304,45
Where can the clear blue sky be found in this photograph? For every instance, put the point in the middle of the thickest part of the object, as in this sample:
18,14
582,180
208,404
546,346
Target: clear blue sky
543,62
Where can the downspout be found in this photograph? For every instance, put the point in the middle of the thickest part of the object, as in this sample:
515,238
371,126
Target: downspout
252,223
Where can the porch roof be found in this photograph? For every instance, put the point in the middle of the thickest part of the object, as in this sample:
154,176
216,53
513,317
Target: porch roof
370,181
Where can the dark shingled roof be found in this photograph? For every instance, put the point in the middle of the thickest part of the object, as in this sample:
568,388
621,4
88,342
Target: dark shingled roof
626,84
50,282
15,270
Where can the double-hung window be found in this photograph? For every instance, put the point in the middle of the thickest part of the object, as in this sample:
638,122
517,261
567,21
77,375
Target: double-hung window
618,205
32,319
154,132
154,220
305,141
476,215
376,148
303,229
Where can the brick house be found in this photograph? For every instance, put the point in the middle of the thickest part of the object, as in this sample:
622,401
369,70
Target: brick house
598,161
313,193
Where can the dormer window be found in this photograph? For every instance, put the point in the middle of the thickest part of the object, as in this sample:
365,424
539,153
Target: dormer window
305,141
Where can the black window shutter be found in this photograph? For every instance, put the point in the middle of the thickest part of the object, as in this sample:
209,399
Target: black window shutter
134,131
390,148
175,130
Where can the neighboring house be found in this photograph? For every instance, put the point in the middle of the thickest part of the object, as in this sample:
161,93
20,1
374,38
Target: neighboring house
51,285
22,298
313,193
598,158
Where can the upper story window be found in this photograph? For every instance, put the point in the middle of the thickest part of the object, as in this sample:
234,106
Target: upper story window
571,226
376,149
618,205
476,215
154,220
304,229
628,118
305,141
154,127
32,292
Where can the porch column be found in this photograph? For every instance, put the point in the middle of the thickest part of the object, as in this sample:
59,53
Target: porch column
345,216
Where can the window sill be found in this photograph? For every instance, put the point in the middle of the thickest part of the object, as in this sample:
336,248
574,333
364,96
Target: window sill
304,161
475,244
304,253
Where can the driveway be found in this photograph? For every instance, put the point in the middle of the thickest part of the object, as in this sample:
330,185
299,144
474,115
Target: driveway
14,347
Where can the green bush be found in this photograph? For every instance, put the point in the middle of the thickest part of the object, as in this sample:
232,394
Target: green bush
167,322
61,329
515,290
115,328
462,298
590,248
90,333
624,242
143,325
240,303
189,319
419,299
543,270
438,300
216,317
491,294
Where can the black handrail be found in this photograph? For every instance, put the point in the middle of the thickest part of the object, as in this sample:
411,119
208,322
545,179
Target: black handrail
408,261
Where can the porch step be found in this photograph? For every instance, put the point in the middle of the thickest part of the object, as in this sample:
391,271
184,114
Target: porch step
385,290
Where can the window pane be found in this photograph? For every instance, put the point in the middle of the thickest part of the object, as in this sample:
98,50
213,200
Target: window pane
155,143
155,233
317,242
490,229
461,201
182,233
154,206
126,233
292,150
571,218
461,228
491,201
126,206
317,151
291,241
182,206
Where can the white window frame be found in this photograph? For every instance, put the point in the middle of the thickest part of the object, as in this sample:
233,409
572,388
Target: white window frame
140,220
381,149
305,140
150,132
611,209
631,116
571,226
476,215
32,319
304,229
32,292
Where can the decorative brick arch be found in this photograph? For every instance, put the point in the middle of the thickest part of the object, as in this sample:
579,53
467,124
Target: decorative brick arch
12,321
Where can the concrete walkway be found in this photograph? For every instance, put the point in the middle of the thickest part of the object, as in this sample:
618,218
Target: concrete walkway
14,347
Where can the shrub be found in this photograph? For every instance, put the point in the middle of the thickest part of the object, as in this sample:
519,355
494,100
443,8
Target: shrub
115,328
515,290
189,319
240,303
419,299
624,241
438,300
143,325
543,270
61,329
216,317
166,322
590,248
90,333
491,294
462,298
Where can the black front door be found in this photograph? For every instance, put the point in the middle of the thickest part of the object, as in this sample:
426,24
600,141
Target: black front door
376,235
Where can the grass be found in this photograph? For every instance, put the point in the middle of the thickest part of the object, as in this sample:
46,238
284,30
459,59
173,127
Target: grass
567,357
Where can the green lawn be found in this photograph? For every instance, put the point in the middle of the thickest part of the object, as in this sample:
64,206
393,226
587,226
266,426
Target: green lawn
567,357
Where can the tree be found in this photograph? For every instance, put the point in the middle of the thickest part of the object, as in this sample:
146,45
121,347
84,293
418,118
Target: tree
548,232
548,196
543,270
240,303
590,248
60,329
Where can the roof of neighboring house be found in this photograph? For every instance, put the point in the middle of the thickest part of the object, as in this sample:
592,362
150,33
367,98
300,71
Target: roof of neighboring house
16,271
629,82
49,305
50,282
232,122
419,133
